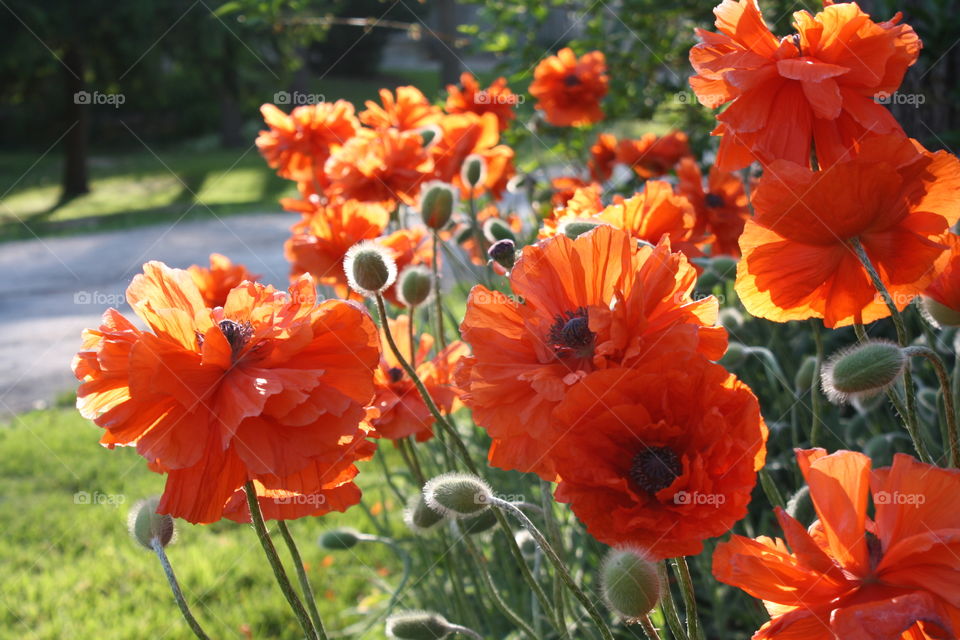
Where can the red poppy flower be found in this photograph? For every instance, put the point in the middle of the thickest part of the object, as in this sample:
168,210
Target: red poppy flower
407,111
384,166
402,410
652,156
661,456
566,187
603,155
298,145
321,239
578,306
847,576
569,89
216,281
945,289
722,208
467,134
270,387
496,99
818,89
797,256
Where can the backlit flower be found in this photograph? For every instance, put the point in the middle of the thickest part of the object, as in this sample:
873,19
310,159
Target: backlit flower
569,89
578,306
468,134
847,575
407,110
817,89
721,206
216,281
407,247
603,155
270,388
496,99
653,156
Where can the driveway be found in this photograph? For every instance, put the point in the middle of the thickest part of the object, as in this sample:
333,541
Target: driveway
53,288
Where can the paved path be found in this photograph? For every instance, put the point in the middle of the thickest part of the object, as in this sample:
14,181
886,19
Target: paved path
53,288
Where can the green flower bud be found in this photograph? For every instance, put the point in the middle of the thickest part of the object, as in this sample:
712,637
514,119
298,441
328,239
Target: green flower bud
415,285
369,268
146,525
417,625
938,314
430,134
497,229
800,506
420,517
457,495
483,522
630,584
731,319
576,228
735,355
803,381
340,539
504,253
862,371
473,171
437,200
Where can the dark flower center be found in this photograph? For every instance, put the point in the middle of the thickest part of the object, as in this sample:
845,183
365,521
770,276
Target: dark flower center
714,201
571,335
237,334
395,374
571,80
655,468
874,550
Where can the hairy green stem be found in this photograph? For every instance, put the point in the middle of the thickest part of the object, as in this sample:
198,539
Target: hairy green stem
694,631
815,387
670,613
302,577
177,593
487,580
948,404
435,264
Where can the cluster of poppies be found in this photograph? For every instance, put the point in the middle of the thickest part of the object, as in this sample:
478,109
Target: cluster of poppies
585,356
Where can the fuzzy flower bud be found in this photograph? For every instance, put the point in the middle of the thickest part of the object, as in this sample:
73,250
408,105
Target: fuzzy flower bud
418,625
495,229
339,539
862,371
457,495
415,285
576,228
436,203
473,171
504,253
419,517
369,267
630,584
803,381
146,525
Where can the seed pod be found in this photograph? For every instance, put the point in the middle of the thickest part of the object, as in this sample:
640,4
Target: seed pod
146,525
862,371
457,495
630,584
369,268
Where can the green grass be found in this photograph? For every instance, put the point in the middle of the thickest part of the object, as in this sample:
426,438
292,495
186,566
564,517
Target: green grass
71,571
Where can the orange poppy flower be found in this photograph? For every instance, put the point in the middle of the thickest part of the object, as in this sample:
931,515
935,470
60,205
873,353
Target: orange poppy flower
270,387
603,155
817,89
496,99
847,576
569,89
321,239
721,208
652,156
384,166
297,145
407,247
566,187
402,410
945,289
216,282
407,111
661,456
797,258
466,134
578,306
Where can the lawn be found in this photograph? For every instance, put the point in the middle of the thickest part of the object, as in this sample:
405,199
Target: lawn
71,570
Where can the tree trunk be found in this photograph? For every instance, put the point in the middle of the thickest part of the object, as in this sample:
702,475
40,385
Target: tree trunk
77,100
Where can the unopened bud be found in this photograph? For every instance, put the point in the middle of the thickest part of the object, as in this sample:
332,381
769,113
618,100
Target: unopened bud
457,495
731,319
415,285
430,134
436,204
862,371
803,381
504,253
340,539
146,525
938,314
369,268
420,517
575,228
630,584
497,229
418,625
483,522
473,171
735,355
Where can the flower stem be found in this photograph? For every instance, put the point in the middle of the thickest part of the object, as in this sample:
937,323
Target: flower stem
464,455
948,403
177,593
668,603
435,264
558,565
815,387
487,579
302,577
456,628
694,632
648,628
278,571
